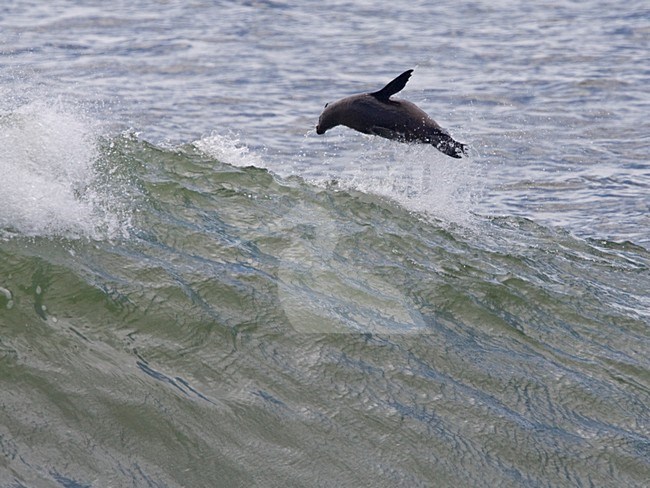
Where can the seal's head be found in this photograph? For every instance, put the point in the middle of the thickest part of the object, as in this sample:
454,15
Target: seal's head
331,117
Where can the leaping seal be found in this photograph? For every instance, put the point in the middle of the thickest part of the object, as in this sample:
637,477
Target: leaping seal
376,113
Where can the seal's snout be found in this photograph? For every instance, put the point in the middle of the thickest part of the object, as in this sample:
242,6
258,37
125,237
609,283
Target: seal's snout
319,130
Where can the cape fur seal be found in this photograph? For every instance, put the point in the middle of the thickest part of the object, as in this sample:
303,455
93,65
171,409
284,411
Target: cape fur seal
376,113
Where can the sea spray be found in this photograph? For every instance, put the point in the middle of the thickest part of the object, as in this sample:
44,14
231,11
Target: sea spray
417,178
51,184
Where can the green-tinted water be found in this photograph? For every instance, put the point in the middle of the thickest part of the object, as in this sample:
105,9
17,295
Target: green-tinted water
241,329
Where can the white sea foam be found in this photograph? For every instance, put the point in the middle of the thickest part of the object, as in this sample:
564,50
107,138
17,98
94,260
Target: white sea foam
228,149
49,183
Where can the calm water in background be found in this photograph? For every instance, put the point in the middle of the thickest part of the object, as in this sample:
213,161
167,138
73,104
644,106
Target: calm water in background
197,290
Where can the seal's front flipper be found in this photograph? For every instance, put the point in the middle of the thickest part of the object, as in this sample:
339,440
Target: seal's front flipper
393,87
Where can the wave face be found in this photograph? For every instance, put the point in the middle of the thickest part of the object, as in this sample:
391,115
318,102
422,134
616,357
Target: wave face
253,329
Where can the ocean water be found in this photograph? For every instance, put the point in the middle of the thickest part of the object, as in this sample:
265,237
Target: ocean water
197,290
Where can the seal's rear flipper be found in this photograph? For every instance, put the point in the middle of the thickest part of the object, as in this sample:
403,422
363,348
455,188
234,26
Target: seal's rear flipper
393,87
451,148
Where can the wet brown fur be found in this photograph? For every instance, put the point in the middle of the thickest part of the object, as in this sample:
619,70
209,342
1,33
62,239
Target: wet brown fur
379,114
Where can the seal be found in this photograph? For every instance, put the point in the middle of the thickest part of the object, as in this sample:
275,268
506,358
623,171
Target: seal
393,118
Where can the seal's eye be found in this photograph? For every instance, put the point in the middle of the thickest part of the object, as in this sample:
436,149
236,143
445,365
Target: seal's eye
327,104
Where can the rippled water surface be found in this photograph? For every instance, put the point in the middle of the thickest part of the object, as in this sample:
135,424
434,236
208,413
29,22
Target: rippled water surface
198,290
